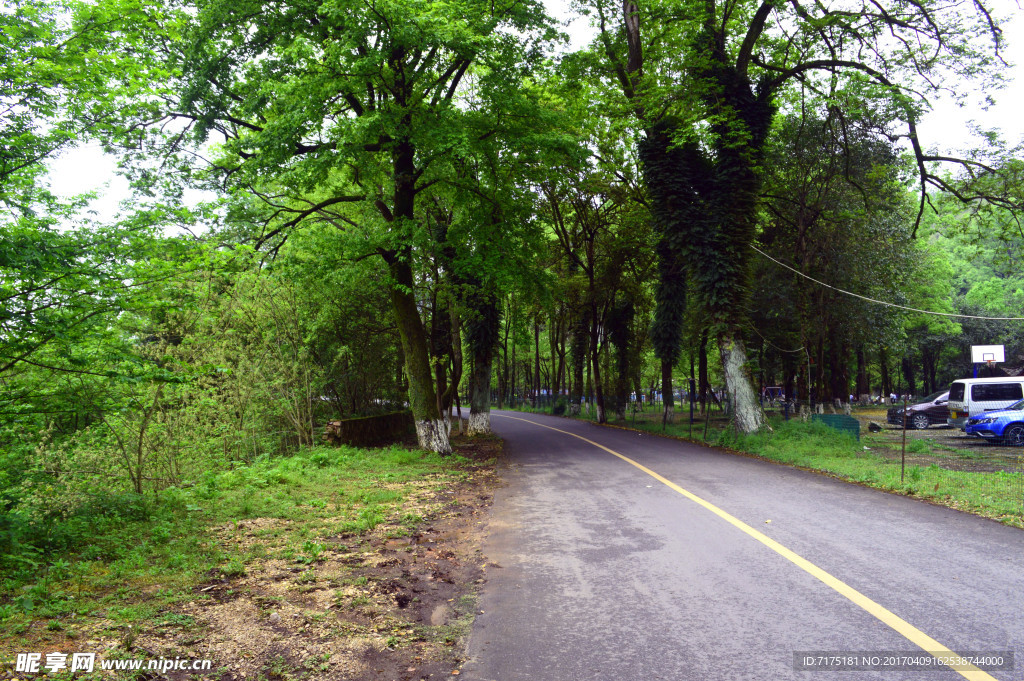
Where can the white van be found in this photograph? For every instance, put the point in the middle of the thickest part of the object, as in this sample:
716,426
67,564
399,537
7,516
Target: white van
972,396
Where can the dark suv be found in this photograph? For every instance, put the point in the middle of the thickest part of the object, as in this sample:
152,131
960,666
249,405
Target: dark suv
932,409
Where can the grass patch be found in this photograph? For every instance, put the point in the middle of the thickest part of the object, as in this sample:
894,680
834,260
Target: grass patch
127,560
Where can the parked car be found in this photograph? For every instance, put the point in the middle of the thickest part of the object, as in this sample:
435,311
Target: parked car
920,415
970,397
1005,426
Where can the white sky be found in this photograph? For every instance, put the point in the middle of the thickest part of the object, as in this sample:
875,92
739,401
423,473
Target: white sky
87,169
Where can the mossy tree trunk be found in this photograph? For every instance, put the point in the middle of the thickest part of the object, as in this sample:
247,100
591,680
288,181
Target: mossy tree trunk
431,426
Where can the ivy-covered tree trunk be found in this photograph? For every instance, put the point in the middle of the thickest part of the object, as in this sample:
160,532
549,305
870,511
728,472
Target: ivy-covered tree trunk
556,342
674,207
838,383
441,349
668,399
452,393
743,118
536,363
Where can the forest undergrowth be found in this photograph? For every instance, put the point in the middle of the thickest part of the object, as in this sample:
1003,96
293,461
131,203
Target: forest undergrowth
331,562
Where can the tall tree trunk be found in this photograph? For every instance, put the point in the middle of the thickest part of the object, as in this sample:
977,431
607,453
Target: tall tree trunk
818,384
883,370
789,381
909,379
596,364
452,392
838,385
667,398
620,334
702,371
746,410
691,389
554,333
578,354
564,363
536,362
440,346
480,392
503,373
928,356
431,428
588,389
863,386
621,394
512,380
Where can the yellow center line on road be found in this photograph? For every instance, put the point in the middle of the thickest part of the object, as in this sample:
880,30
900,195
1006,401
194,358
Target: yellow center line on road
904,628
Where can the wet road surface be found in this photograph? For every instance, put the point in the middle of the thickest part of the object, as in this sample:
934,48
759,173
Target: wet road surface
600,571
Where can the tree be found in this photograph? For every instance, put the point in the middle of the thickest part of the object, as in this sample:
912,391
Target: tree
976,249
706,86
602,246
36,75
836,208
345,114
60,279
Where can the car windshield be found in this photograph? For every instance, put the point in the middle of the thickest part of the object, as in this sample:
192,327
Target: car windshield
1016,406
956,392
934,396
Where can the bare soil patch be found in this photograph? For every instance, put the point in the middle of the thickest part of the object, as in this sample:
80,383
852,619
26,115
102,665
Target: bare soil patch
389,604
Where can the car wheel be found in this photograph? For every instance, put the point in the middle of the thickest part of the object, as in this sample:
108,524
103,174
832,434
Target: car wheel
920,421
1014,435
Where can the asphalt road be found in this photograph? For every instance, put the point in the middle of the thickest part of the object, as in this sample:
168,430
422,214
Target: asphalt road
599,571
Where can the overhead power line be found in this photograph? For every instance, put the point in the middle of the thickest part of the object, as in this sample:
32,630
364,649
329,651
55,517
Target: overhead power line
802,348
882,302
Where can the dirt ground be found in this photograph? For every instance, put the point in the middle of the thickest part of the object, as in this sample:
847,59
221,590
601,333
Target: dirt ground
371,607
950,447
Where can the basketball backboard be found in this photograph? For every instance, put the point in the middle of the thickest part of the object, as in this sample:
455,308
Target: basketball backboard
987,353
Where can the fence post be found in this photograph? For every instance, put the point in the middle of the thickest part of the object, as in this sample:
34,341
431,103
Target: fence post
903,456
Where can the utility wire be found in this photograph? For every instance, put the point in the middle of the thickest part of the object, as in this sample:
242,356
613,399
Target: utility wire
799,349
882,302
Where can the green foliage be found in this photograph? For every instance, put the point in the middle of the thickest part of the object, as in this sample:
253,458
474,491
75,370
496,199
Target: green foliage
429,160
41,80
104,553
836,210
977,257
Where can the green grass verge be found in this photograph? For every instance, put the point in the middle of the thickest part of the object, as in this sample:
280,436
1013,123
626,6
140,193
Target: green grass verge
126,558
817,447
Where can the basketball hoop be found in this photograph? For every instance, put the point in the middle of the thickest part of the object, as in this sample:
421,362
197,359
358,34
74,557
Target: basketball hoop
987,355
